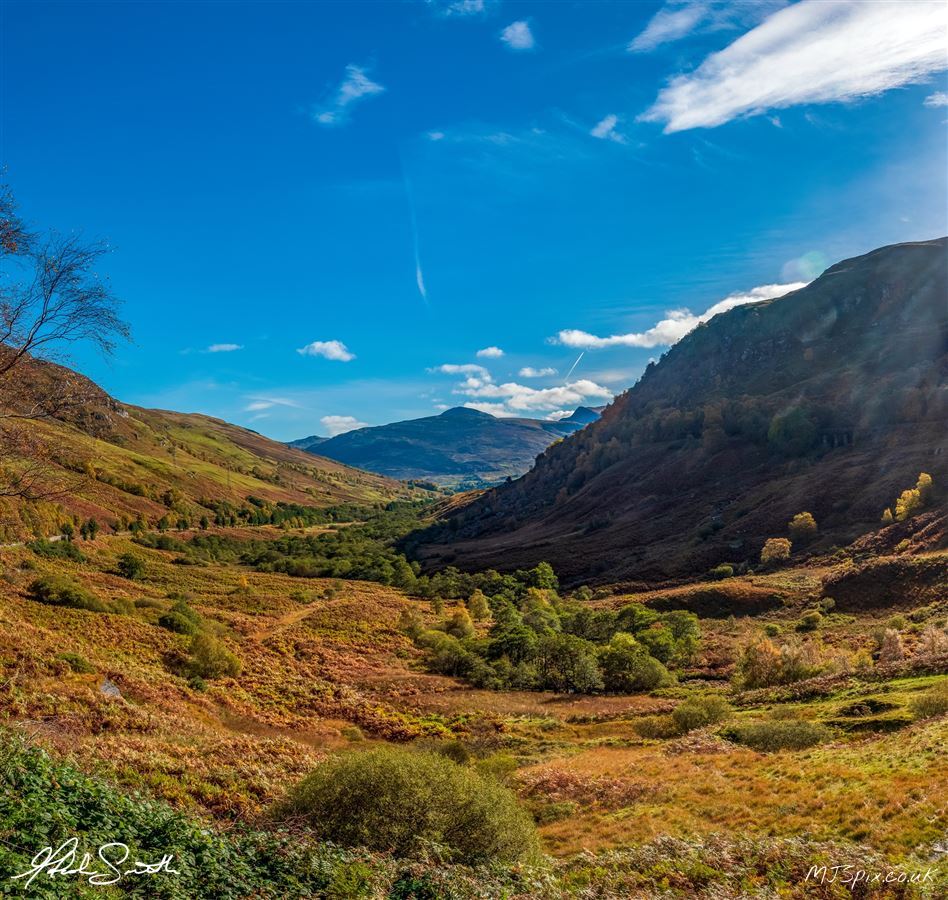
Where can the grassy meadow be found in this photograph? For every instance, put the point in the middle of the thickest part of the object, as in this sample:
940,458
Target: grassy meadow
628,799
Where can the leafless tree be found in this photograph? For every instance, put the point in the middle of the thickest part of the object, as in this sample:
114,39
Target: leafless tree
50,297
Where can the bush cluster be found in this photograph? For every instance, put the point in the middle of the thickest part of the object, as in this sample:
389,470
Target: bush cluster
405,802
60,590
764,664
777,734
537,640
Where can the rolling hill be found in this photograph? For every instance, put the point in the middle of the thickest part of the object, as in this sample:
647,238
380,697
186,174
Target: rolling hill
108,460
459,447
831,400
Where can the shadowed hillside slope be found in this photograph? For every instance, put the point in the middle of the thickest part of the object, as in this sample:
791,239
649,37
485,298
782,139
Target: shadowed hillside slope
107,460
459,446
830,399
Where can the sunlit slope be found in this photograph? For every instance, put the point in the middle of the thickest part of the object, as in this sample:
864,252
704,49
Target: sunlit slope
108,460
831,399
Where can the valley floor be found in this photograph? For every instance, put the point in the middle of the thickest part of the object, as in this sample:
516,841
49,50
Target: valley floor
326,668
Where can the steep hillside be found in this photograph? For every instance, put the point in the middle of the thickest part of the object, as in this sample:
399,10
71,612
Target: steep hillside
460,446
108,460
831,399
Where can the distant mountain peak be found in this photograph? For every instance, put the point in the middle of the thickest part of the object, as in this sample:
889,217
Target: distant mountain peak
459,447
466,412
583,415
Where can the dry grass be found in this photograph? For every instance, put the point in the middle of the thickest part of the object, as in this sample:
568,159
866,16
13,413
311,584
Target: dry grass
319,656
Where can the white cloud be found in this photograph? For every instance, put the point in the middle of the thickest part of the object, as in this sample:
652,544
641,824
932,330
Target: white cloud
815,51
605,130
672,22
490,353
517,398
558,414
530,372
678,323
435,135
259,403
513,399
459,8
679,18
492,409
939,98
328,349
224,348
464,369
341,424
354,87
518,36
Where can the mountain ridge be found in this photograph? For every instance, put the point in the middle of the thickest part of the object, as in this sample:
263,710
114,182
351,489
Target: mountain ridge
830,399
109,460
458,446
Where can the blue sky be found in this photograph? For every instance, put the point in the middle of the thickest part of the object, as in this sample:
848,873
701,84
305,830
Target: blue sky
320,213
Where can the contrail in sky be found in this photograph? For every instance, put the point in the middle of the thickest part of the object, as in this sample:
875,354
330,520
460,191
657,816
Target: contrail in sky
573,366
419,275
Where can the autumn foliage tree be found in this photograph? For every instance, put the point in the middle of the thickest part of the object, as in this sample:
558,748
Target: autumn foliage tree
50,298
802,528
775,551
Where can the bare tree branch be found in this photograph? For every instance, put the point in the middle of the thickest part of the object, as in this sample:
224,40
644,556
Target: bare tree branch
50,297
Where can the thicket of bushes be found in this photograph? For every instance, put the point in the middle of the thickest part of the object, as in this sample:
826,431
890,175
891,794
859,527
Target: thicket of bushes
695,712
777,734
537,640
57,550
409,802
60,590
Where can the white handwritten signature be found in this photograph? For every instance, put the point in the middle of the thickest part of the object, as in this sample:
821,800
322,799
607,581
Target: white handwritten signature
63,861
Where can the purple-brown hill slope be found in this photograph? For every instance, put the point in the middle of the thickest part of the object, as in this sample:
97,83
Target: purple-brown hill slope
831,399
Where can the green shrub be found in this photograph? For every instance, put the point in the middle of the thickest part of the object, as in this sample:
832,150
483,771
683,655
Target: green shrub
723,571
148,603
58,590
499,766
211,659
455,750
696,712
131,566
400,801
810,621
56,550
783,734
627,666
79,664
934,702
568,663
182,608
802,528
460,624
655,727
179,624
